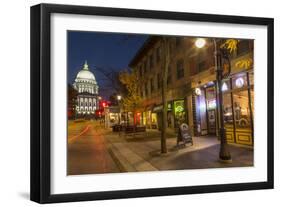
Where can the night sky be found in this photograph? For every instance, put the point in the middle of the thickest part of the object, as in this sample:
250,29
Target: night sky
106,51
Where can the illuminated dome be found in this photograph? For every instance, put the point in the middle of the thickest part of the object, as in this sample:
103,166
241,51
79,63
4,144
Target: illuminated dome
85,75
85,81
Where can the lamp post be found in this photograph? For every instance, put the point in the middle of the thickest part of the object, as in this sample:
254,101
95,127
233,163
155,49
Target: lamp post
119,97
219,55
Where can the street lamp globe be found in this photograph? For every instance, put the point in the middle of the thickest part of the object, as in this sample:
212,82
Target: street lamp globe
119,97
200,42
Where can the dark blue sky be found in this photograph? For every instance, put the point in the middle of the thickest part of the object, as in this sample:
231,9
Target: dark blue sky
109,51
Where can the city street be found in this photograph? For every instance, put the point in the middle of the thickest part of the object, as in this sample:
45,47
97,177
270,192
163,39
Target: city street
87,149
93,149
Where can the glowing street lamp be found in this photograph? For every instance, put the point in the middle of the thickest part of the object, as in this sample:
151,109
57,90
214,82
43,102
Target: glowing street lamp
119,97
200,42
219,54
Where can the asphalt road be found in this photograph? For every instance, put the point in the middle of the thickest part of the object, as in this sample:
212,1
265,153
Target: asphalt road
87,150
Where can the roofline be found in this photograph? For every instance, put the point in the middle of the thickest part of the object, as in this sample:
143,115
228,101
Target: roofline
145,46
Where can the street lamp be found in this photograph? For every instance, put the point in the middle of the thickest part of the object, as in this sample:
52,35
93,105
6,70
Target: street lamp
200,42
119,97
219,54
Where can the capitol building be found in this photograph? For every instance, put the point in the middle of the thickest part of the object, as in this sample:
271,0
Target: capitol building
86,85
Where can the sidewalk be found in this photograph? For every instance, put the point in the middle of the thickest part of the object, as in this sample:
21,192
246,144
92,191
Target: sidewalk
142,153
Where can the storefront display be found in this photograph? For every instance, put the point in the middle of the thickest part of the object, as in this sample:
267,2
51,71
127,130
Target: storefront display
238,108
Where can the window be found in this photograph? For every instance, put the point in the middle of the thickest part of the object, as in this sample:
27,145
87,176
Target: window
242,47
152,85
180,69
239,81
241,109
202,66
158,81
169,76
158,54
201,62
140,70
146,88
151,61
144,67
178,41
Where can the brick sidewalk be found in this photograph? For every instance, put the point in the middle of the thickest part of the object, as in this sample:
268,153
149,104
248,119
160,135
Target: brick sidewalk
142,153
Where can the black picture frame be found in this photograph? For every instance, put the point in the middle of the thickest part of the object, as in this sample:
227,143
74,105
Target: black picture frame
41,96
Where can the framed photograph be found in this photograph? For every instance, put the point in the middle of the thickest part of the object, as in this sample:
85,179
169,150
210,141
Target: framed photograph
132,103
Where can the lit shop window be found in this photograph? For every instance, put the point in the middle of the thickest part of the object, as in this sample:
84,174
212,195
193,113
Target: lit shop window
241,109
227,110
225,86
239,81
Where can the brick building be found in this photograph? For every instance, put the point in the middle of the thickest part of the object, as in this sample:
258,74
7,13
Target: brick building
191,88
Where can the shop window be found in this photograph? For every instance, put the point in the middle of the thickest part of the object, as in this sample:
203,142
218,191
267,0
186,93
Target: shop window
252,103
251,78
241,109
225,86
227,111
179,111
239,81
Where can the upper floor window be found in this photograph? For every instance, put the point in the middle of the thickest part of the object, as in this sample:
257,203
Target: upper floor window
180,69
242,47
151,61
146,88
202,66
169,76
178,41
158,81
140,70
158,54
144,67
151,84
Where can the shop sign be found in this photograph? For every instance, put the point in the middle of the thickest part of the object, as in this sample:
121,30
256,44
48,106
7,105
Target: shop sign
179,106
160,107
198,91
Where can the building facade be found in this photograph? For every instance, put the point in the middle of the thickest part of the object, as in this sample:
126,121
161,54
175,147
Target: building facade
191,88
87,98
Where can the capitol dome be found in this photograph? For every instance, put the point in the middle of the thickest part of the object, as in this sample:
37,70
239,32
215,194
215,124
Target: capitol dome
85,81
85,74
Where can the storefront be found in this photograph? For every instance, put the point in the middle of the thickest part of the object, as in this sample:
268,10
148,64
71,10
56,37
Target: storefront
206,112
238,104
156,115
112,116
